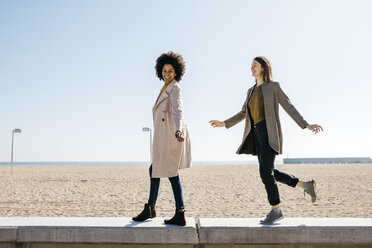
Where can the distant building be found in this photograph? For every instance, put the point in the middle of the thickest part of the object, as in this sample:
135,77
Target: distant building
361,160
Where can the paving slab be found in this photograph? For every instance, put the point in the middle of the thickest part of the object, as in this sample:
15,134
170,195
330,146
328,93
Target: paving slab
95,230
286,231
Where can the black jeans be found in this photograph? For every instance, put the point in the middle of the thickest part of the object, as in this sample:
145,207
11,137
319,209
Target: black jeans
266,156
176,187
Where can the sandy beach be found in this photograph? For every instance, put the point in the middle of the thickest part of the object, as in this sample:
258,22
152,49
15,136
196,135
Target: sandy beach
344,190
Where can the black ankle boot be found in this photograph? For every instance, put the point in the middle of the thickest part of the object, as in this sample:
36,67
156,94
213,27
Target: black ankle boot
178,219
147,212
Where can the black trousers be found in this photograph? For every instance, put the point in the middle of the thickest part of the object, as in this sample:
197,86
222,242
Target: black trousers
266,156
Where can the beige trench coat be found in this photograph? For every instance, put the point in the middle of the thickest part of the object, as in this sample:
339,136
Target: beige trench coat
273,95
169,155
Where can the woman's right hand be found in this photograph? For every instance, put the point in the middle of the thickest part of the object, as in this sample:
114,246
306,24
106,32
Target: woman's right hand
179,136
215,123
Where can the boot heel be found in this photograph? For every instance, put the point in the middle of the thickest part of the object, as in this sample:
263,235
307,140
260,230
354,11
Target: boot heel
152,212
147,212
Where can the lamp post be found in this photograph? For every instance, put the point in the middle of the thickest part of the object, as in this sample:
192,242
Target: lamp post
147,129
17,130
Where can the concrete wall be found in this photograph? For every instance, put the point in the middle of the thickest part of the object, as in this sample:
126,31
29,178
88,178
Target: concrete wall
53,245
290,232
208,233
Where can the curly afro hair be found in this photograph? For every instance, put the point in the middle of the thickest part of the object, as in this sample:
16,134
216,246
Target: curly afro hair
173,59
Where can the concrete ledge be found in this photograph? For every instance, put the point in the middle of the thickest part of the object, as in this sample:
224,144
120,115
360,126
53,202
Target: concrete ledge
287,231
50,232
95,230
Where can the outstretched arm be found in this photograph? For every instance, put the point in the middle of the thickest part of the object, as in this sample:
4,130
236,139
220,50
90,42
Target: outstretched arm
241,115
290,109
294,114
216,123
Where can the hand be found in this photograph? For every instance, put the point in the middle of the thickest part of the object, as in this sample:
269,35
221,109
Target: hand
215,123
179,136
315,128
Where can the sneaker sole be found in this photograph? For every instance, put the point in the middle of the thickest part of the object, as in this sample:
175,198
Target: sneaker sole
269,223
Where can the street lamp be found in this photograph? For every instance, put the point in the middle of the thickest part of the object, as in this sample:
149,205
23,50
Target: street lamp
17,130
147,129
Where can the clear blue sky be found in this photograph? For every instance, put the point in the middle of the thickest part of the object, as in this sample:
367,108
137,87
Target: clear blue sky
78,76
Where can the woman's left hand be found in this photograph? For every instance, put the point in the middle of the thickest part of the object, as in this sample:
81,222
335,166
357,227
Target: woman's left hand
315,128
179,136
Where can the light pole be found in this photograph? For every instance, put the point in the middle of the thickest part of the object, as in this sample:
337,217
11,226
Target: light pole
17,130
147,129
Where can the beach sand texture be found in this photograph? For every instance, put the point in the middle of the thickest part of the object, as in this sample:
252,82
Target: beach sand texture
344,190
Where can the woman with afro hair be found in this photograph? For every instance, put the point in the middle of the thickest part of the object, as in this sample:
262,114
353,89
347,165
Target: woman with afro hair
171,146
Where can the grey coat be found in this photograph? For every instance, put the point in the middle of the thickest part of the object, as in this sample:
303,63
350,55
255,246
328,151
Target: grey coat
273,96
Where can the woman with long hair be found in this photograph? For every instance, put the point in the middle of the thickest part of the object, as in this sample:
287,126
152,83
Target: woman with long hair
263,134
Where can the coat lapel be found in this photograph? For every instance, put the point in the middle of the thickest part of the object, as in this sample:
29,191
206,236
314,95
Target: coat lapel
264,89
165,93
249,94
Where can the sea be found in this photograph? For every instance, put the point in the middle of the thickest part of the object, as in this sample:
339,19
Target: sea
127,163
